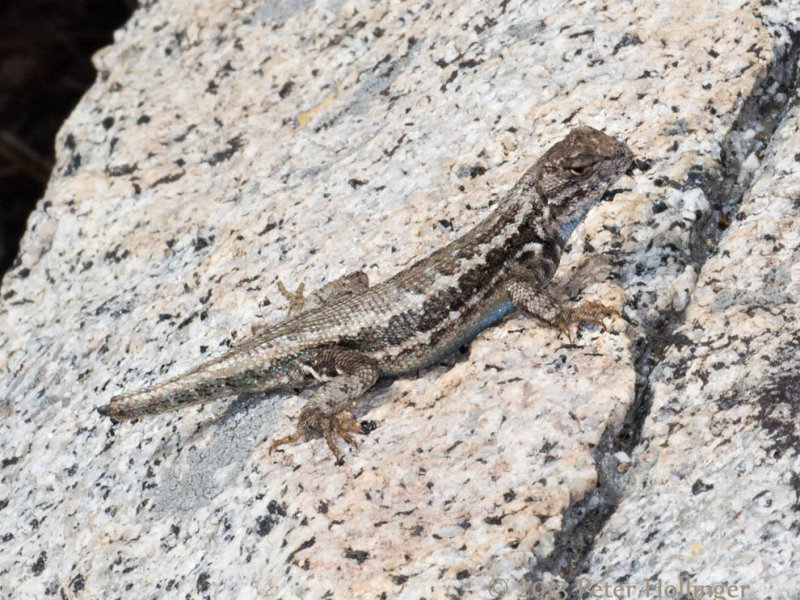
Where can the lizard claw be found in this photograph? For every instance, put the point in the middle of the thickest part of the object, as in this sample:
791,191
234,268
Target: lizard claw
343,424
296,298
587,312
289,439
595,312
565,330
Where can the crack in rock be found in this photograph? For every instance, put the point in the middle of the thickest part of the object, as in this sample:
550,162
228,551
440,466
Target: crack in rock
741,151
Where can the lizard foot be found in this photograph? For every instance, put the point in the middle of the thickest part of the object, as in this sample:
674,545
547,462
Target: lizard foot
347,285
587,312
313,423
296,300
328,411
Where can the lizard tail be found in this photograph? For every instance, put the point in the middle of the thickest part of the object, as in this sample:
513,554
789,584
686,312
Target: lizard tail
206,382
172,394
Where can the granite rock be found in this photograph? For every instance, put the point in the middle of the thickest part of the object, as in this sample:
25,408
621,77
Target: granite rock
713,497
226,146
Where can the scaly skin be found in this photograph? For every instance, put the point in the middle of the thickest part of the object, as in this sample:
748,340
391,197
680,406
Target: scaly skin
349,334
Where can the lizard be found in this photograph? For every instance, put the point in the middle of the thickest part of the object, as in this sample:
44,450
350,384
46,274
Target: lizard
349,334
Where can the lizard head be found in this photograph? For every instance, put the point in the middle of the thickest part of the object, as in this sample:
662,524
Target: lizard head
575,172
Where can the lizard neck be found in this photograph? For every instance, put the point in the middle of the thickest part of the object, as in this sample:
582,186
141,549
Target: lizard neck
567,226
536,247
522,218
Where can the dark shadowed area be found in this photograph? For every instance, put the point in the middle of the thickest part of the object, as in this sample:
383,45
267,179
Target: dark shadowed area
45,66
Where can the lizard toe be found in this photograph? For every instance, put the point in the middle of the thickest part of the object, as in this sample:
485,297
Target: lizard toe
289,439
327,432
344,425
586,312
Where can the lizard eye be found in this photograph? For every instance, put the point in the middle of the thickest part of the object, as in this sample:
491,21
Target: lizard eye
580,167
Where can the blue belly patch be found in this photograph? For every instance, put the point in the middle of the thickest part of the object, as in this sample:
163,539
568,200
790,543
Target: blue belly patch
491,317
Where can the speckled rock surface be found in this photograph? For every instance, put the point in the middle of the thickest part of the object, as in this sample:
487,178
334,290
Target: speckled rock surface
713,498
228,145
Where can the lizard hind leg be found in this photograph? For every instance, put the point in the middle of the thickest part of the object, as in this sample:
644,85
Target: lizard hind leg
347,285
329,411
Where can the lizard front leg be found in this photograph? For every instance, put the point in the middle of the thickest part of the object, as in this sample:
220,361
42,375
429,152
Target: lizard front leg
329,411
540,304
